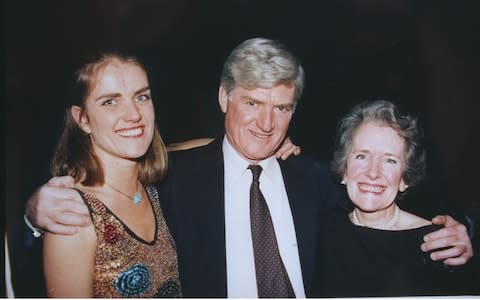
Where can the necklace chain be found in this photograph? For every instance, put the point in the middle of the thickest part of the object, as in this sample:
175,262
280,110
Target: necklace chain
136,198
387,225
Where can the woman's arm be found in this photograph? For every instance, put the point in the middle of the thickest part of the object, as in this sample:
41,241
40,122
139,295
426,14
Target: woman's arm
69,263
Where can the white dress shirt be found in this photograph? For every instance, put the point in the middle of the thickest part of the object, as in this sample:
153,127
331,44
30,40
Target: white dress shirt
241,278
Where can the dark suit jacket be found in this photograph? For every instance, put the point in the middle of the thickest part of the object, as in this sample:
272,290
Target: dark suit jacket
192,199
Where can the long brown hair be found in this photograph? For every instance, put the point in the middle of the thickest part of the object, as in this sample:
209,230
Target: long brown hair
74,154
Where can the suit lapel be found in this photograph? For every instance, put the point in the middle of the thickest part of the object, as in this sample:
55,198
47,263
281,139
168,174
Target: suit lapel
214,218
195,209
302,203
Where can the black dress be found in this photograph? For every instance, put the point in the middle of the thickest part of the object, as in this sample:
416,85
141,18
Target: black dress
357,261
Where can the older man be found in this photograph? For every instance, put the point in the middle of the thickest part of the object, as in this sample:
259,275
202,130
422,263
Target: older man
242,230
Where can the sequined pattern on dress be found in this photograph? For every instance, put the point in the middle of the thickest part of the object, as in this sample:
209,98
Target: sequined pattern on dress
125,264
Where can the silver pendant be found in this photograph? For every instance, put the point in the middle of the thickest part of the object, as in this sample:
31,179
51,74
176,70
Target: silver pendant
137,198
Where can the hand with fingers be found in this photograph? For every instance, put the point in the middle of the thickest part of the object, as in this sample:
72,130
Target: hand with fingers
57,207
450,244
288,148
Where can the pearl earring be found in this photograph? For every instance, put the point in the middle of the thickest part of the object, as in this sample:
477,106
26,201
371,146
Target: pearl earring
403,188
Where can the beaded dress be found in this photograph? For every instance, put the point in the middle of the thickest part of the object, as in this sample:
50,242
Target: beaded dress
125,264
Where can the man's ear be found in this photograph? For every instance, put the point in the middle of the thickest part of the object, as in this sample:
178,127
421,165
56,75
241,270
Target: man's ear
80,118
223,98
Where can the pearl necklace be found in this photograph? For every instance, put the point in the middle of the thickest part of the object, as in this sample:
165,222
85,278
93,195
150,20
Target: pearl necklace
387,225
136,198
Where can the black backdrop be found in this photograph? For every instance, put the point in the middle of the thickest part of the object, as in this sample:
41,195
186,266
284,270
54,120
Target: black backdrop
421,54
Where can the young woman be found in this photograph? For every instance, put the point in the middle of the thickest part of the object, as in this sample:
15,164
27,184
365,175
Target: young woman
112,148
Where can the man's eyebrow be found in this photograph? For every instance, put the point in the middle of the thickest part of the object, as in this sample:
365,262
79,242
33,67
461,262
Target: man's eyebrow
290,105
250,98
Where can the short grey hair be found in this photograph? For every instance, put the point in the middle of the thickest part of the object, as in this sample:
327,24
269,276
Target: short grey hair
261,62
387,113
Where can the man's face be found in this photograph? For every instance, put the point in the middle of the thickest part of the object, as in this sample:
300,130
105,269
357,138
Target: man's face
257,119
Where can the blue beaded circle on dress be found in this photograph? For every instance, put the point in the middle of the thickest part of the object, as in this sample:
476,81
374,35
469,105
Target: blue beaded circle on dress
134,281
170,289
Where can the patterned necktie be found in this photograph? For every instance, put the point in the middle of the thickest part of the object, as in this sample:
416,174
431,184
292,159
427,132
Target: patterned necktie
272,278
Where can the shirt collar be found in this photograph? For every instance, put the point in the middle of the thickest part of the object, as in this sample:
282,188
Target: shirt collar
236,165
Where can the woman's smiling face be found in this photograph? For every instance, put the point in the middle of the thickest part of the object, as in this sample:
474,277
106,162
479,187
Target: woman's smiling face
375,167
119,114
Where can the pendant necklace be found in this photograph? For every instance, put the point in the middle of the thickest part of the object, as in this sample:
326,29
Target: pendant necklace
387,225
136,198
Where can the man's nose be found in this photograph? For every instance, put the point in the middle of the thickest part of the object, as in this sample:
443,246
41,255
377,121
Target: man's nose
265,120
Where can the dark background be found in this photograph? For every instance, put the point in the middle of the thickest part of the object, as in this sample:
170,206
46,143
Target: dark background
421,54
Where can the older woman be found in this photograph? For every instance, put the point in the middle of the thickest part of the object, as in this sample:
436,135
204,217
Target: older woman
111,147
375,249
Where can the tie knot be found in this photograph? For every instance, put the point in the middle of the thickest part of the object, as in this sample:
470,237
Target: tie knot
256,170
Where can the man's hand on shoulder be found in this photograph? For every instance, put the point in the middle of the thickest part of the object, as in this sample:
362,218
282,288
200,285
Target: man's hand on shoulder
453,242
58,208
